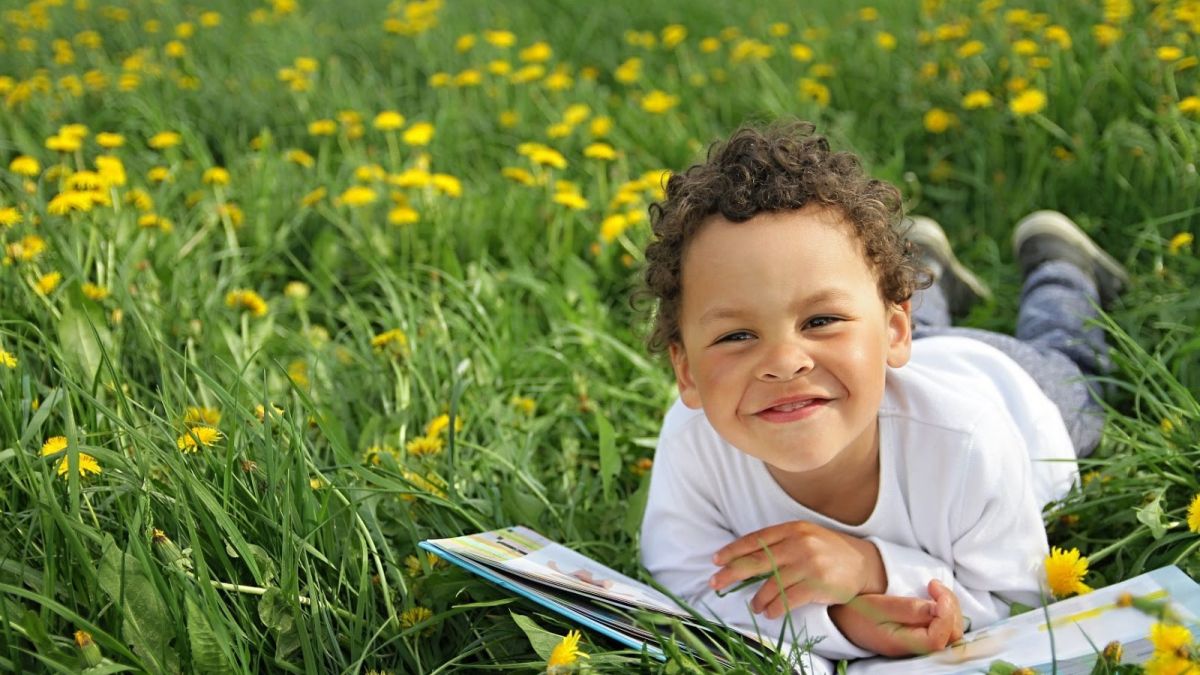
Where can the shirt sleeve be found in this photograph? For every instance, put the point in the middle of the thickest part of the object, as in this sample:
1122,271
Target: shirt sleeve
681,530
994,524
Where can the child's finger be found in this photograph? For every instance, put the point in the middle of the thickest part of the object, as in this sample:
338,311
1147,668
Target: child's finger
895,609
751,543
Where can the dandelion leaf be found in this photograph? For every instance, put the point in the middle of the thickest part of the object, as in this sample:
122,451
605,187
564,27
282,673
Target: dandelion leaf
207,656
145,624
1151,514
275,612
542,640
83,338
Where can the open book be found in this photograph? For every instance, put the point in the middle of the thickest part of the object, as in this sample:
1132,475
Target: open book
1069,632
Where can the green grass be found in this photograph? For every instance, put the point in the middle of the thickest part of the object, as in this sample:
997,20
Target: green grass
285,545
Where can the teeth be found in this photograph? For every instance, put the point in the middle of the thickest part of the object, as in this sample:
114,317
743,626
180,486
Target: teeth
788,407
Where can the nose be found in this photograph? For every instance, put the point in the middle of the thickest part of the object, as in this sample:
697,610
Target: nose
784,361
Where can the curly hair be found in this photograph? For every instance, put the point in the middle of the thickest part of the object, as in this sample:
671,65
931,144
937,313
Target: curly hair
782,167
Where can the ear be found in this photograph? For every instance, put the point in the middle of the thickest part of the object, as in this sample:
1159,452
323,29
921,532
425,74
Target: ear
683,377
899,330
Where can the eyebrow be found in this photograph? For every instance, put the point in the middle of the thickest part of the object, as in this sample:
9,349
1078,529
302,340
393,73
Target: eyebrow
817,297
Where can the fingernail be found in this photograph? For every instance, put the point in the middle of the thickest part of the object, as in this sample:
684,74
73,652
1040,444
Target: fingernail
712,581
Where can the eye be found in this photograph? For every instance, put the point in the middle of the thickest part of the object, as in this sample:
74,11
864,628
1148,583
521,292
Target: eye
821,321
736,336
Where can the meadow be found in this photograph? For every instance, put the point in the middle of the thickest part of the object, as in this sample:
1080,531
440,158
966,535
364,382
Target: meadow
289,286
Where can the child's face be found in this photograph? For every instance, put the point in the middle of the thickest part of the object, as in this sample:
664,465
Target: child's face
786,339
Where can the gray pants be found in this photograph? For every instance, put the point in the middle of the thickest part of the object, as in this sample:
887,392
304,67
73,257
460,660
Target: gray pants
1054,342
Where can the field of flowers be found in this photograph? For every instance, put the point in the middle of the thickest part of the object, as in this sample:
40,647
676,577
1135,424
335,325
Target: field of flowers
290,286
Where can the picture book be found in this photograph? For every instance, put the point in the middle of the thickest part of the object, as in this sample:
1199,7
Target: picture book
1065,636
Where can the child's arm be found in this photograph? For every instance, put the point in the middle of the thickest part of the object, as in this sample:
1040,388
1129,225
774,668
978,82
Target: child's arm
895,626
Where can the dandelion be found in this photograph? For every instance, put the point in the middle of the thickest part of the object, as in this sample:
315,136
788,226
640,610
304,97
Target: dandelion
323,127
642,466
94,291
429,483
814,91
61,143
885,41
968,49
87,463
260,411
9,216
518,174
198,437
1106,35
612,227
215,176
565,653
393,342
524,404
537,52
164,139
657,102
201,415
976,100
500,38
314,197
297,156
28,248
1179,242
1065,571
571,200
1190,105
403,215
446,184
937,121
600,126
388,120
357,195
1028,102
248,300
8,359
159,174
1168,53
24,165
602,151
1172,650
1059,35
1193,515
802,52
424,446
48,282
414,616
155,221
418,134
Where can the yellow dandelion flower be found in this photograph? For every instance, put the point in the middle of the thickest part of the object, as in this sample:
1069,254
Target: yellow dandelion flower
1168,53
544,156
1058,35
111,170
94,291
885,41
1025,47
1028,102
709,45
248,300
7,359
429,483
1065,571
322,128
48,282
297,156
1179,242
159,174
418,134
976,100
1190,105
164,139
87,463
537,52
28,248
464,43
109,140
357,195
673,35
1106,35
198,437
802,52
500,38
441,423
524,404
313,198
392,341
201,415
155,221
215,176
9,216
571,200
85,180
565,653
424,446
529,73
1193,515
600,126
210,19
937,121
24,165
602,151
518,174
657,102
388,120
61,143
403,215
414,616
1169,638
970,48
612,227
815,91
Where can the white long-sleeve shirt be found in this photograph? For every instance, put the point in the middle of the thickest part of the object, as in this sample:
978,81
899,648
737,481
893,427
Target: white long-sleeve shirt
969,451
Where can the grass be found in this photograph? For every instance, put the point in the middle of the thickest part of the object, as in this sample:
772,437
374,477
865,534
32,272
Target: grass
289,544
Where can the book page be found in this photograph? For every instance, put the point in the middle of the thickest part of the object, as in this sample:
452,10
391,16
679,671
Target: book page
1080,626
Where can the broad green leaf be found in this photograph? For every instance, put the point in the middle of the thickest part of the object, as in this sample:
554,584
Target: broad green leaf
274,611
83,339
207,656
542,640
145,623
610,459
1151,514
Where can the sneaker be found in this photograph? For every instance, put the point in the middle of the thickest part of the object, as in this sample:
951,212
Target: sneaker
962,288
1043,236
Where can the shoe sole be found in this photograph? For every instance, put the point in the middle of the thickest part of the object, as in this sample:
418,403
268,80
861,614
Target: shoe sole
1055,224
926,232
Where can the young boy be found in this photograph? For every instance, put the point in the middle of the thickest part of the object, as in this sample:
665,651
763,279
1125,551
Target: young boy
895,484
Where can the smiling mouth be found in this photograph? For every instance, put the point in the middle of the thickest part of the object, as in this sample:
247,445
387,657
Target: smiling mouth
792,410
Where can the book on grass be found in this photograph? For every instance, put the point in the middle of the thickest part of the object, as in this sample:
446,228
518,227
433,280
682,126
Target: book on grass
1066,635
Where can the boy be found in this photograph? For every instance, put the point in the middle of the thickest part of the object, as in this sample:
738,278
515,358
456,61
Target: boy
895,485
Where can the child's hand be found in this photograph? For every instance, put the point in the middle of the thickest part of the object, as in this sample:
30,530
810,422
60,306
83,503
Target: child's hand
815,565
893,626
